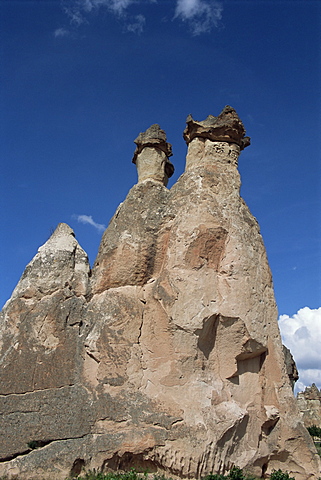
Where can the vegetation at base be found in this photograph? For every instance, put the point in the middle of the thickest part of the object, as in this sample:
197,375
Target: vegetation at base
279,475
235,473
314,431
131,475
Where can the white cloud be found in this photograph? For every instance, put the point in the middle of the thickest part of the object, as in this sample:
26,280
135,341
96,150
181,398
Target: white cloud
79,10
302,335
202,15
73,9
88,219
137,25
117,7
61,32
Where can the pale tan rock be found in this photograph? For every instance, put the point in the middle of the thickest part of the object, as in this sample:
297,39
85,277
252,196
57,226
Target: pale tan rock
42,399
39,326
152,156
132,247
309,403
177,355
60,263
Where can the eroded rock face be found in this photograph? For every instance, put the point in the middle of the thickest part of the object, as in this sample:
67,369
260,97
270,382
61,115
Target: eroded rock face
40,325
290,366
175,357
309,403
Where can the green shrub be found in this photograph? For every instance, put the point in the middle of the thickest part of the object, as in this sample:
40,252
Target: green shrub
236,474
33,444
279,475
314,431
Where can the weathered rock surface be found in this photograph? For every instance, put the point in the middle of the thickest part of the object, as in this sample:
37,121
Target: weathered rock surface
152,155
167,356
290,366
309,403
227,127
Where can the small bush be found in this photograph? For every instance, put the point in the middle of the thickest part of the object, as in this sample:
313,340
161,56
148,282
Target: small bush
33,444
279,475
236,474
314,431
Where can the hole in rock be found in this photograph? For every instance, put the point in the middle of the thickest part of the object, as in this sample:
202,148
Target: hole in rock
78,465
267,429
207,335
251,362
130,460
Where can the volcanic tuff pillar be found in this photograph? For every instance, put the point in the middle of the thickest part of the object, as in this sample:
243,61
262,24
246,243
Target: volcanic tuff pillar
151,155
174,360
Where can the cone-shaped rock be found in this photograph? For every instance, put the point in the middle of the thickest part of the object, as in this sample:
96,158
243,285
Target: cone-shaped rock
174,361
42,399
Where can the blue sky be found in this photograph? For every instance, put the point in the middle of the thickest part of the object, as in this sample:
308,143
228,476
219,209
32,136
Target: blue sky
81,79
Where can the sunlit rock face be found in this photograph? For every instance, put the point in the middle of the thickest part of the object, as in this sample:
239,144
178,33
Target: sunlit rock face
167,356
152,155
309,403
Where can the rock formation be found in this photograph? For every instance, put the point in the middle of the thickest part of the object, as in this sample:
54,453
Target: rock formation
152,155
309,403
290,366
167,355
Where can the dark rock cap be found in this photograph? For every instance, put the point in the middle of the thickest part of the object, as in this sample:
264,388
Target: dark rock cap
227,127
153,137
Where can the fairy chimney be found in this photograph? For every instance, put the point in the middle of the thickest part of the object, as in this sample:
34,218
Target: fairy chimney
167,356
152,156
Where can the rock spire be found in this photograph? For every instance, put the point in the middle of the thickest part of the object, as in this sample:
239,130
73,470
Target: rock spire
167,356
309,403
152,155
